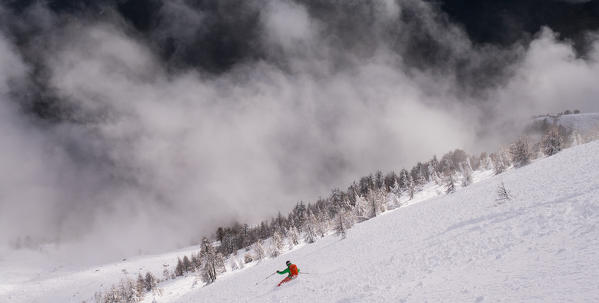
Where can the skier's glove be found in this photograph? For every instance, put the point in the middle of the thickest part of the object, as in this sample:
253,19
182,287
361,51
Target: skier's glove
278,272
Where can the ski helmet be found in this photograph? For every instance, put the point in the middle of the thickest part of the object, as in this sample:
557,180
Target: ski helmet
288,263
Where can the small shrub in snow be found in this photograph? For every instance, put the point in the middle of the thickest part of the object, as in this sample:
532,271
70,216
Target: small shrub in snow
503,194
166,274
247,258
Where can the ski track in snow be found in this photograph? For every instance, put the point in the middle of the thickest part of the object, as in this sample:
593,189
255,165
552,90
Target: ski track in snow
542,246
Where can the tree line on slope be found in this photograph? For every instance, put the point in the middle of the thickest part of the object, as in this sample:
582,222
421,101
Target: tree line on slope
364,199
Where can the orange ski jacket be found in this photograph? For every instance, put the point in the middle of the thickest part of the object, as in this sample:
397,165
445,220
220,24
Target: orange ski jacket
292,270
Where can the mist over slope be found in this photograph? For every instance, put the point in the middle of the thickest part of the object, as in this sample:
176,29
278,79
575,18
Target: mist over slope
466,246
131,121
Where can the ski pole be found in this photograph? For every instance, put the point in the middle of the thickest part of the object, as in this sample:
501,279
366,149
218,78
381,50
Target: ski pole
265,278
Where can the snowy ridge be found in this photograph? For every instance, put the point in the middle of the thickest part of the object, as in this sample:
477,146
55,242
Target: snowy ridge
582,123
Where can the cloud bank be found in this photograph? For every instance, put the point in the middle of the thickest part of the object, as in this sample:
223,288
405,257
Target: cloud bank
122,135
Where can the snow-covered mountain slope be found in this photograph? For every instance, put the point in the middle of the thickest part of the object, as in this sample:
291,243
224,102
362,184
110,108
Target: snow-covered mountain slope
542,246
33,276
581,123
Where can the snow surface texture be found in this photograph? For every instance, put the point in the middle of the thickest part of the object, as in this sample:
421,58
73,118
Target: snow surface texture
541,246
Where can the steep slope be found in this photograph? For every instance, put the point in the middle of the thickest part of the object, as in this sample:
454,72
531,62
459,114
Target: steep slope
466,247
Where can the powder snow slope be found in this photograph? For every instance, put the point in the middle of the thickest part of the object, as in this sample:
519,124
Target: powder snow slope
542,246
582,123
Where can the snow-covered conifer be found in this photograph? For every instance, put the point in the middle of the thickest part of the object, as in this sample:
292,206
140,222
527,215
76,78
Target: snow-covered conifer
293,236
404,180
467,171
149,281
310,230
212,262
140,286
342,223
195,261
361,209
552,142
520,152
187,267
179,269
276,244
259,250
376,202
450,185
498,164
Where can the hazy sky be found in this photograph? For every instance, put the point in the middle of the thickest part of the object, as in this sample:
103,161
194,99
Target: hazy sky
146,126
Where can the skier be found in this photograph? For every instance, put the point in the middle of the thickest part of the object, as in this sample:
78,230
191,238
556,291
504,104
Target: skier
291,270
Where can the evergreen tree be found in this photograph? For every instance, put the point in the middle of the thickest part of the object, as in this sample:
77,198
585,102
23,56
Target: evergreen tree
310,230
259,250
149,281
467,171
212,262
293,237
180,269
187,267
404,181
342,223
361,210
390,180
376,201
140,286
196,262
276,244
552,142
321,223
499,165
450,185
520,152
